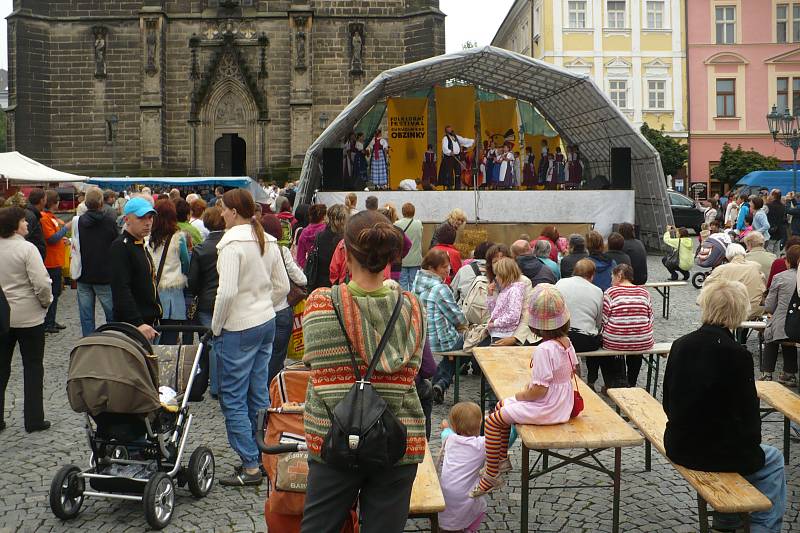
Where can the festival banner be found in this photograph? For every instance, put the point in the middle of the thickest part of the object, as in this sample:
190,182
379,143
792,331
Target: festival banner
408,135
454,106
499,118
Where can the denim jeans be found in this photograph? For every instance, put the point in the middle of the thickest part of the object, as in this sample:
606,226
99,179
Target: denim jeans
771,482
86,300
284,320
243,371
204,317
447,367
407,275
55,278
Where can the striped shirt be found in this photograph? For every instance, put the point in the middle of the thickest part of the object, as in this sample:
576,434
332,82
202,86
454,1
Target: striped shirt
627,318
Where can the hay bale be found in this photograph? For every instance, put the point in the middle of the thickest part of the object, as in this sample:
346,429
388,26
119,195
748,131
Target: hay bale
468,239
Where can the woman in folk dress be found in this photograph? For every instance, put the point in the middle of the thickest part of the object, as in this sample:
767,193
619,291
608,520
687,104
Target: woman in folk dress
379,169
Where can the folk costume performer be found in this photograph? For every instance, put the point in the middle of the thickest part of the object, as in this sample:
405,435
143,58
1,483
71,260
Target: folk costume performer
452,148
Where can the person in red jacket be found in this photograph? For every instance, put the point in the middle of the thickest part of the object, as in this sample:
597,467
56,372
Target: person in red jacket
53,230
447,237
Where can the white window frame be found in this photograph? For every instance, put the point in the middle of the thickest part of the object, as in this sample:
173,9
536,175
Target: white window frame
795,26
663,14
576,12
624,25
784,22
615,92
729,24
661,92
537,20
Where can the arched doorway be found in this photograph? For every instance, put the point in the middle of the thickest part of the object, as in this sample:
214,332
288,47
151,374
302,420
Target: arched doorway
230,155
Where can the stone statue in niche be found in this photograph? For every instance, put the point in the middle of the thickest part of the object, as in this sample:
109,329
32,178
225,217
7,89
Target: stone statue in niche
100,45
356,47
300,42
152,43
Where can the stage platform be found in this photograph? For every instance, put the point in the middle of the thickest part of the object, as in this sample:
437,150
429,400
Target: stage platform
601,209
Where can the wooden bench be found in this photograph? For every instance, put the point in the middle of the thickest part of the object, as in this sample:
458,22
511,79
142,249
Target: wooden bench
653,360
427,500
457,355
597,428
727,492
784,401
663,288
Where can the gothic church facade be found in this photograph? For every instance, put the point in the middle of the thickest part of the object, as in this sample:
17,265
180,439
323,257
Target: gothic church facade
197,87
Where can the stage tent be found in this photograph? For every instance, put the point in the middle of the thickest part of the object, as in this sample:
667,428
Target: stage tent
18,169
573,104
239,182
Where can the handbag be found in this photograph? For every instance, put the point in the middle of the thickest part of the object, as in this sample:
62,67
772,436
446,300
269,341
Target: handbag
312,263
672,260
296,292
792,324
365,434
577,402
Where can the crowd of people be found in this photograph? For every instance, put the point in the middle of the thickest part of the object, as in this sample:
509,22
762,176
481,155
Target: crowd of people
371,289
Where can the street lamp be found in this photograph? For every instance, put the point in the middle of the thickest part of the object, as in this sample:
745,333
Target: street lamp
785,129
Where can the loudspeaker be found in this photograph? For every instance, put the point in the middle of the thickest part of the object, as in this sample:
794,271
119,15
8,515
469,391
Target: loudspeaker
332,159
598,183
621,168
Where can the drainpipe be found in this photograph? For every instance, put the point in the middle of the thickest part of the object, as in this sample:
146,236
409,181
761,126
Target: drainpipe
689,99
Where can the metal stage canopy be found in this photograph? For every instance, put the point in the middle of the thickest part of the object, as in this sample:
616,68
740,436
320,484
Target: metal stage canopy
573,104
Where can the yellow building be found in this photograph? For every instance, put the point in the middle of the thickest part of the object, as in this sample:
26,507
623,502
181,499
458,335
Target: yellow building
633,49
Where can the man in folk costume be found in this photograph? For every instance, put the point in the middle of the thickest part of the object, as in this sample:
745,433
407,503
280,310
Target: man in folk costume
450,167
378,168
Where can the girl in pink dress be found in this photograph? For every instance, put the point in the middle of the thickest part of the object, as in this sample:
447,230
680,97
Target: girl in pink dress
547,399
463,454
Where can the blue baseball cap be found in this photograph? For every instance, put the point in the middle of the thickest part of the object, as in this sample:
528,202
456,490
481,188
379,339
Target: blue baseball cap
138,206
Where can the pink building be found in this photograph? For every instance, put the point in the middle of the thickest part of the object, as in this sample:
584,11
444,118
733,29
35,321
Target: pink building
743,57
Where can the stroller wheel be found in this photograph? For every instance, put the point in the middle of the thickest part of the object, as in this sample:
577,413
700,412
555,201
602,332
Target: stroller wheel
201,472
66,492
159,500
698,279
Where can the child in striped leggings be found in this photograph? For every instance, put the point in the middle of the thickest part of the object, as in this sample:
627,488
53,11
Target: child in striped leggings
547,399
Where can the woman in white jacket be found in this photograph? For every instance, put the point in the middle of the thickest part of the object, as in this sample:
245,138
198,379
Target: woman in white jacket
27,288
244,327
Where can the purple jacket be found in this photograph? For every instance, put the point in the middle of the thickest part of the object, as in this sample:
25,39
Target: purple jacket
428,366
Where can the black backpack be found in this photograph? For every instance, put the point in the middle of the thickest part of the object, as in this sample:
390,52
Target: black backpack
364,433
312,265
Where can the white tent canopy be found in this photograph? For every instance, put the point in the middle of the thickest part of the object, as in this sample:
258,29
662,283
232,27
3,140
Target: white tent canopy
575,107
17,168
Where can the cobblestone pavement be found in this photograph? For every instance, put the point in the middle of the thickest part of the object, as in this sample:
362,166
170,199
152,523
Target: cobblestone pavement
659,500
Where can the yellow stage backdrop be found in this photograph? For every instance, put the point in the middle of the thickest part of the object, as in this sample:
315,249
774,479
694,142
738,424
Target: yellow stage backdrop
535,142
408,135
454,106
497,117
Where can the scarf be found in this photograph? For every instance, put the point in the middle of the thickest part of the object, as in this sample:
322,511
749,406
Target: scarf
377,148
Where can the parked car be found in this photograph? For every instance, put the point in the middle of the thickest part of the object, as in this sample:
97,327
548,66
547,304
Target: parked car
685,211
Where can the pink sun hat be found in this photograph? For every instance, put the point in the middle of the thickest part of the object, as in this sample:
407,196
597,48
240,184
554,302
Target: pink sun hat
547,308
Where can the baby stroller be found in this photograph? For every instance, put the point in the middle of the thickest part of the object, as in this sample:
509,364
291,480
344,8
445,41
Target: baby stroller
285,455
709,255
136,441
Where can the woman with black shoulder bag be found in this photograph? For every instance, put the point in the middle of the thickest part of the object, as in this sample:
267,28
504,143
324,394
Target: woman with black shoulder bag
345,328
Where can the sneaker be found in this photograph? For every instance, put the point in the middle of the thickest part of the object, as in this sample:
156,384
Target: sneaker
766,376
438,394
60,326
789,380
238,469
495,482
51,329
242,479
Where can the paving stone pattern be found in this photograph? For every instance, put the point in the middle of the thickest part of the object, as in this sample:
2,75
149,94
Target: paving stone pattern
659,500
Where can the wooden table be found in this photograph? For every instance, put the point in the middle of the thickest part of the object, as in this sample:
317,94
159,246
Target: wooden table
427,500
663,288
653,360
597,428
456,356
783,401
756,325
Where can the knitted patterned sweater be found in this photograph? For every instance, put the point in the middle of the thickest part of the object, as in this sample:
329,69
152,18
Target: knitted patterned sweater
365,317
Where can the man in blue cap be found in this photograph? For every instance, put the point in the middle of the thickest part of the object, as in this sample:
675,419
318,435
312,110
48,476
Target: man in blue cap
133,278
